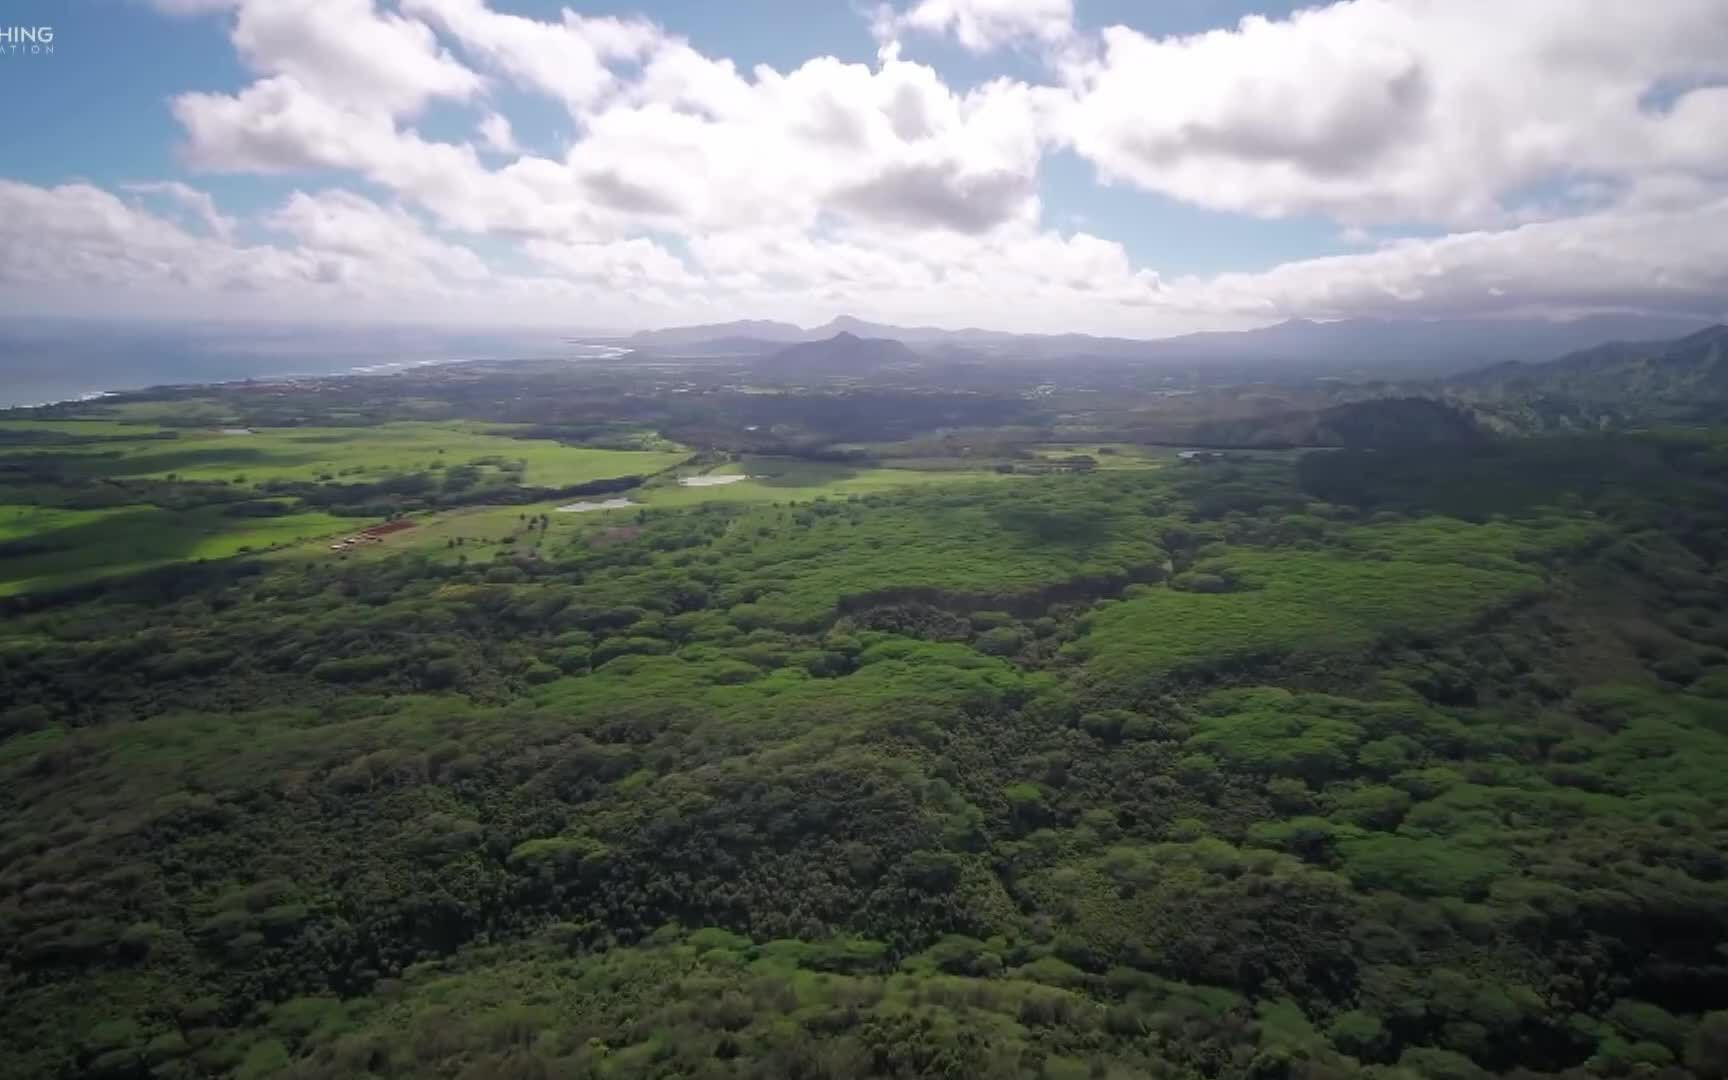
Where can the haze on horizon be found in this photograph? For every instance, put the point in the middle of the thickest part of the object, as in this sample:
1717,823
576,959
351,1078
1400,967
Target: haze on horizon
1097,166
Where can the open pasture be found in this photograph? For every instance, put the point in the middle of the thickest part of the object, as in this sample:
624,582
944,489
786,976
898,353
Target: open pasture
49,548
252,457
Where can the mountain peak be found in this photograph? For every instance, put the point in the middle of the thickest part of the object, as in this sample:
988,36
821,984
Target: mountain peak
844,352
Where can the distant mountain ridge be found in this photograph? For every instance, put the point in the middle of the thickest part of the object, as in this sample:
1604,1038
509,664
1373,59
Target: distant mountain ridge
1386,345
844,353
1687,369
1616,384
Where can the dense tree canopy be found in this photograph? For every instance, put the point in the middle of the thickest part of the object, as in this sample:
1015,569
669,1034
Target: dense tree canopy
1344,766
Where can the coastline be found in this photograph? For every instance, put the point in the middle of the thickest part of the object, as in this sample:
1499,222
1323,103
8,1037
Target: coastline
579,352
393,367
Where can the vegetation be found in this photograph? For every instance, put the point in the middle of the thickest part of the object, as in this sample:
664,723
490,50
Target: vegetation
1386,764
1612,385
82,500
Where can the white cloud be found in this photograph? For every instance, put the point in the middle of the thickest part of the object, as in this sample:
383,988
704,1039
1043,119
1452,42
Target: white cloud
383,240
279,126
1401,110
1580,159
634,264
198,203
1671,260
496,134
698,143
340,251
77,249
82,237
693,145
350,53
982,25
568,60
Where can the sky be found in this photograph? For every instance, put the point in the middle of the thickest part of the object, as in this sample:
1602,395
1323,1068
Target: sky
1135,167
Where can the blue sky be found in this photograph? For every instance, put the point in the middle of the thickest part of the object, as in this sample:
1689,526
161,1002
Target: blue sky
1087,155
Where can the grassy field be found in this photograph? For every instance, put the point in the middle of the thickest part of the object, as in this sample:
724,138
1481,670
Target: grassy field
478,531
82,427
343,455
1110,455
86,545
50,547
20,522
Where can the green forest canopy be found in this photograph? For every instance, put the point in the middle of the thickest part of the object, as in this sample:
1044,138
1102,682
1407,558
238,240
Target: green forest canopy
1250,769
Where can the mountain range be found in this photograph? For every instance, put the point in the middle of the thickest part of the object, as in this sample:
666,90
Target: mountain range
1691,369
844,353
1409,346
1609,387
1612,385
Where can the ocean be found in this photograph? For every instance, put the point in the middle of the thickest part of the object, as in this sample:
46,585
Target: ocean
44,360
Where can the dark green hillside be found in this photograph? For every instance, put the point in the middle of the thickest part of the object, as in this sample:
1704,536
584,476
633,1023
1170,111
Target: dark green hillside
1611,385
843,354
1377,422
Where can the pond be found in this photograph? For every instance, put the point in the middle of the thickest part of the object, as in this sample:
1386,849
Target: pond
711,481
590,507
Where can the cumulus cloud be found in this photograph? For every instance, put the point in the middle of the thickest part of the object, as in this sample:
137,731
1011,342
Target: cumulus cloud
349,52
634,264
569,60
81,236
377,238
1403,110
937,195
195,202
690,143
496,134
1577,162
981,25
78,249
279,126
699,143
1668,260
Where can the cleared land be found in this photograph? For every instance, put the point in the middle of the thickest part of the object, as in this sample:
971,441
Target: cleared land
480,531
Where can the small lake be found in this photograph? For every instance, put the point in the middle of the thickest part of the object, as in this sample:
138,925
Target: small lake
590,507
710,481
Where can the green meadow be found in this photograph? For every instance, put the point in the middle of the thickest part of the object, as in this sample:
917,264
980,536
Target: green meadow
481,531
52,548
82,500
251,456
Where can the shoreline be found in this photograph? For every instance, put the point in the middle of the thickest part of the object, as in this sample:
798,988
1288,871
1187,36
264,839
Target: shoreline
393,367
388,367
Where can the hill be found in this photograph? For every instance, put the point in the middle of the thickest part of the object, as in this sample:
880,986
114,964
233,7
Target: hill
757,329
844,353
1385,422
1682,380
